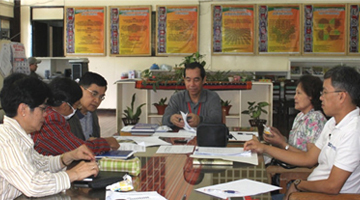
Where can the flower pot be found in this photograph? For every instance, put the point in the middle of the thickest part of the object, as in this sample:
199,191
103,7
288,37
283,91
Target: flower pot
227,108
127,121
160,108
259,124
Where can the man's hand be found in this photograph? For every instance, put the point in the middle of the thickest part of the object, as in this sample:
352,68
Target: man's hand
177,120
276,138
81,153
114,144
193,119
254,146
83,170
290,190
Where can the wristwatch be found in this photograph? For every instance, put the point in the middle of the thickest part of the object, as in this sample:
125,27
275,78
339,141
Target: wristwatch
296,183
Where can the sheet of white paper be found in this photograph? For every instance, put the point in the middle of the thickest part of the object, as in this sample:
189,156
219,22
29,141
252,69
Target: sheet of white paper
176,149
147,140
127,128
181,134
242,135
234,154
187,126
110,195
243,187
131,146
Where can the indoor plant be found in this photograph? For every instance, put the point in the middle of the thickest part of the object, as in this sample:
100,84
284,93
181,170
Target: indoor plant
254,111
160,106
225,105
131,114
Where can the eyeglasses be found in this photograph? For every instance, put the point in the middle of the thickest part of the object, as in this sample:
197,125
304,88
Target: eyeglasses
325,92
95,94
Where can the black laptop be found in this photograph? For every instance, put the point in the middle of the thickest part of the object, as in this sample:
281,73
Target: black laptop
103,179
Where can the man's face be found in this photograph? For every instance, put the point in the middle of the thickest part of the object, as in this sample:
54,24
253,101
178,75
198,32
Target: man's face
33,67
193,81
92,97
329,98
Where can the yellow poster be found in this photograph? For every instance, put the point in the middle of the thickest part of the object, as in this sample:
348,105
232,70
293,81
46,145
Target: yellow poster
283,29
130,31
233,28
85,30
328,28
177,29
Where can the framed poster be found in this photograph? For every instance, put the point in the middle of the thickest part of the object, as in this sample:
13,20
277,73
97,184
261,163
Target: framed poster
324,29
278,29
130,31
84,31
177,29
233,29
353,30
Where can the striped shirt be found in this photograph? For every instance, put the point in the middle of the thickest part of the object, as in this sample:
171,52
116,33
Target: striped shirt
55,137
23,170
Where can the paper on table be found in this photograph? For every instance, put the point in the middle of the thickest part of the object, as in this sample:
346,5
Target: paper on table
176,149
242,135
110,195
187,126
240,188
148,140
234,154
181,134
131,146
127,128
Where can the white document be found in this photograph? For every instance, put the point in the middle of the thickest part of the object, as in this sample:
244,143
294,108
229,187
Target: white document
243,135
176,149
234,154
181,134
239,188
187,126
146,141
133,147
110,195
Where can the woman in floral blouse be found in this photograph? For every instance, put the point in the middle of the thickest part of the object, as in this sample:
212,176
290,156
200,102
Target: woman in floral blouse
310,121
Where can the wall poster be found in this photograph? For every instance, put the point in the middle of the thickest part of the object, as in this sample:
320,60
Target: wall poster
278,29
233,29
353,30
324,29
84,31
130,31
177,29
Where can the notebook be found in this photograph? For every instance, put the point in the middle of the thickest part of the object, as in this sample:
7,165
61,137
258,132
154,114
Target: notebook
103,179
119,154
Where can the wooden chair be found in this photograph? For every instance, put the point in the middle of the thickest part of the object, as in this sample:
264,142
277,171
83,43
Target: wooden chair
321,196
287,175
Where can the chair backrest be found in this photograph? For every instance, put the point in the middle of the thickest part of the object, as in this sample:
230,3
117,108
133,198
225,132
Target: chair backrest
289,89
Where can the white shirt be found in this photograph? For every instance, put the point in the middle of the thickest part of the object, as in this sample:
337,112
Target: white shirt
340,146
23,170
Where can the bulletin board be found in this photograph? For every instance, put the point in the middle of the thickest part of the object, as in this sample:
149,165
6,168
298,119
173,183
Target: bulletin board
279,29
324,29
353,29
130,31
84,31
177,29
233,29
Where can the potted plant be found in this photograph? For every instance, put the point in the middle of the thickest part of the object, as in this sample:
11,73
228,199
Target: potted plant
131,114
225,105
195,57
161,106
254,111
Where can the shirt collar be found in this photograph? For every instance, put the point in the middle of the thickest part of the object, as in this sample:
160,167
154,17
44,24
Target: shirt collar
347,118
15,124
79,114
201,99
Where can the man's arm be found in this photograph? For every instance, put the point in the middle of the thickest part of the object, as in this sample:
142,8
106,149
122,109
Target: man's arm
212,108
173,108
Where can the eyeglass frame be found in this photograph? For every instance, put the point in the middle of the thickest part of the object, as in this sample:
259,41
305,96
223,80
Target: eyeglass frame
325,92
95,94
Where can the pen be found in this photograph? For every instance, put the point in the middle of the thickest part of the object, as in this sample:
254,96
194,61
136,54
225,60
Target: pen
224,191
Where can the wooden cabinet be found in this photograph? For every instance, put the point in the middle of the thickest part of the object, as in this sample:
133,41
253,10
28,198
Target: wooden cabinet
261,91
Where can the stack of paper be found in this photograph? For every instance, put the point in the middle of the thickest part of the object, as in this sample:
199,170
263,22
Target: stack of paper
144,129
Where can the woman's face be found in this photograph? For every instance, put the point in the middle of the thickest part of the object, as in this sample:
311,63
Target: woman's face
34,119
302,101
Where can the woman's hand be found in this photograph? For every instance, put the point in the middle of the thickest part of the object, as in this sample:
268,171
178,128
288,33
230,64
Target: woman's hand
254,146
276,138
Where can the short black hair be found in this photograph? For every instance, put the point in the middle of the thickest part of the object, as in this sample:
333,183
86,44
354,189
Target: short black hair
64,90
92,78
345,78
195,65
312,87
20,88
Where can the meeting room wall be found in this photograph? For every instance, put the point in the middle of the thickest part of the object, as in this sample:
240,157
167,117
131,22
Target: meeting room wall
112,67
